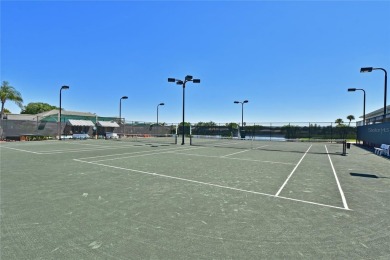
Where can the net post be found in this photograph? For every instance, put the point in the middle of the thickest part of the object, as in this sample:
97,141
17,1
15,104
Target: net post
190,139
344,147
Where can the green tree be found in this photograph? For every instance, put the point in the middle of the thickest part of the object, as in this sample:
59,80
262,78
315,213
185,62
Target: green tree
8,92
211,123
36,108
6,111
232,126
185,124
339,121
350,118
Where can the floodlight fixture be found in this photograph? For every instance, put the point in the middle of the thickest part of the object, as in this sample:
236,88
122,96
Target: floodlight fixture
366,69
364,102
59,117
161,104
120,109
242,110
183,83
369,69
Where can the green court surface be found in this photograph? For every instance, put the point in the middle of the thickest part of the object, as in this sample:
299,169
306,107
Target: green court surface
99,199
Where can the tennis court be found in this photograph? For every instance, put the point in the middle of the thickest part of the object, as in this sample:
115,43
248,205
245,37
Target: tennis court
147,199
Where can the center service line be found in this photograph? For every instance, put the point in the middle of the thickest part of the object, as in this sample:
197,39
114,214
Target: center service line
284,184
234,153
337,181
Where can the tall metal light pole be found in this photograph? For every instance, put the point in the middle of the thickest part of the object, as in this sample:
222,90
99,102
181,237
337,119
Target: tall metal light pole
60,126
242,111
161,104
120,111
369,69
183,82
364,102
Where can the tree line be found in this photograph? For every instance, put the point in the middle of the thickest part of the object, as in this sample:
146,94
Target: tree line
9,93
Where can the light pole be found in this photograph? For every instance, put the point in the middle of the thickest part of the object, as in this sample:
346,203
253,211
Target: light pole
364,102
369,69
120,110
60,128
242,111
183,82
161,104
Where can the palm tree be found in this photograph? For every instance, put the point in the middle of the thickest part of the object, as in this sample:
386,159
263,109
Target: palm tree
7,92
350,118
339,121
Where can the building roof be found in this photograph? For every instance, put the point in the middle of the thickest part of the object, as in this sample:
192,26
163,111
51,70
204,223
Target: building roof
75,122
64,112
378,112
20,117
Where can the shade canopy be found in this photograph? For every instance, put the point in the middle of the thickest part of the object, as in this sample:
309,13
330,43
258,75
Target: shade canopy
75,122
107,124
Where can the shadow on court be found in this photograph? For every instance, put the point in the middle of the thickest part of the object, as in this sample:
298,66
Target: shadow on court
367,175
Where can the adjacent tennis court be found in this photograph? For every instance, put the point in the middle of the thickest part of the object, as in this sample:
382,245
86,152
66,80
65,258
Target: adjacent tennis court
149,198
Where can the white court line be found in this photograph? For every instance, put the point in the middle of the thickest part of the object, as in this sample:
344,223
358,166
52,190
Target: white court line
139,155
209,184
21,150
337,181
119,154
88,149
77,143
260,147
229,158
313,203
284,184
235,153
75,150
219,144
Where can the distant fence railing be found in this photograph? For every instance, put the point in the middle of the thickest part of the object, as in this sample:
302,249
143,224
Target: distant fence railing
16,129
375,120
287,130
271,130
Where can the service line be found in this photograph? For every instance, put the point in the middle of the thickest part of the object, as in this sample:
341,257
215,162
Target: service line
210,184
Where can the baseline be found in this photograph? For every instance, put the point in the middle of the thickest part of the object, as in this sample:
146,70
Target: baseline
20,150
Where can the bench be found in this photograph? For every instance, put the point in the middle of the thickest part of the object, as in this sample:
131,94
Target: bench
384,149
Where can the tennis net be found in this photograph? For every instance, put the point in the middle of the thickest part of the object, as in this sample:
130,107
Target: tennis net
149,139
334,146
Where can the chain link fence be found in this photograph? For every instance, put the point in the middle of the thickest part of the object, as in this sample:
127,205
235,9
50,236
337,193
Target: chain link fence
275,130
49,128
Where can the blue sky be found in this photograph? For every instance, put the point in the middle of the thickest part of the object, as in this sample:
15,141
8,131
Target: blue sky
293,60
